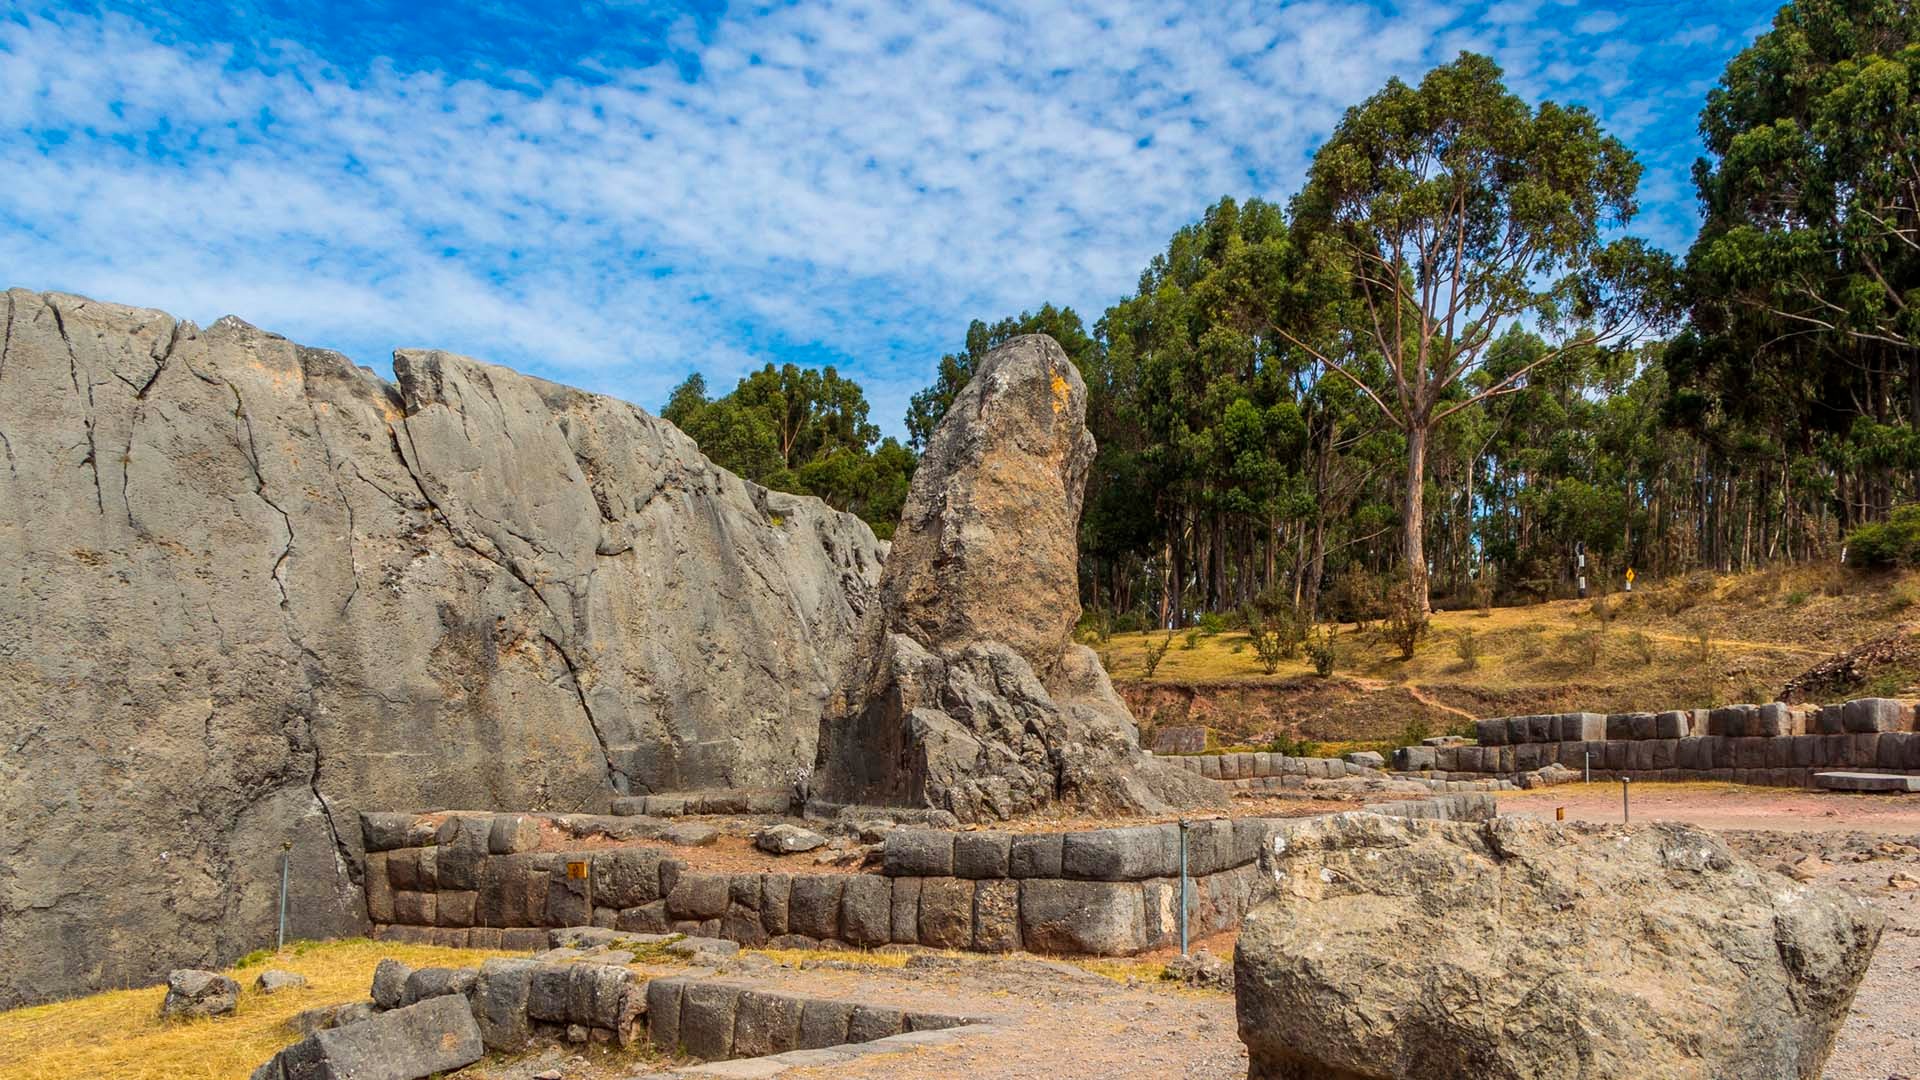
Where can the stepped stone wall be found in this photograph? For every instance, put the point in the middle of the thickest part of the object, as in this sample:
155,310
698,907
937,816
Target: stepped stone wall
1774,744
472,879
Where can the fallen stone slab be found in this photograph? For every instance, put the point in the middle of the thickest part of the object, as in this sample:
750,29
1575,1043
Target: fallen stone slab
1523,949
273,982
192,994
1861,781
434,1036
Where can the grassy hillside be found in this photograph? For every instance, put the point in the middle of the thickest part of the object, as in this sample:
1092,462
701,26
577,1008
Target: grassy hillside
1697,641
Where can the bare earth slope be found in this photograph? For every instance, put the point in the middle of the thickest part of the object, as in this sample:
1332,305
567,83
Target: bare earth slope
251,589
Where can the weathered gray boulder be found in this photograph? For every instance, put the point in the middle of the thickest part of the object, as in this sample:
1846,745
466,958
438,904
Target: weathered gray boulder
273,982
253,589
390,978
192,993
973,698
1512,949
785,839
437,1035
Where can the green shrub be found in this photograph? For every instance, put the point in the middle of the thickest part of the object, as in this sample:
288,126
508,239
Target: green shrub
1212,623
1642,645
1466,645
1131,622
1406,624
1319,645
1416,732
1156,652
1192,638
1893,542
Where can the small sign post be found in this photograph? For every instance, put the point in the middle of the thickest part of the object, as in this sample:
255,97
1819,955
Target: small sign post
582,870
1629,579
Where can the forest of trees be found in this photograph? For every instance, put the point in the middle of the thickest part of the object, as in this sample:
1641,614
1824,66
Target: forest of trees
1446,364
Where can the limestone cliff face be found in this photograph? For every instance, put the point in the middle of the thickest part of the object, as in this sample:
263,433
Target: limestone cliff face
251,589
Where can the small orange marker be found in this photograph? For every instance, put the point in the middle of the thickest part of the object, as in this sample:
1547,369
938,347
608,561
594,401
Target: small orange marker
1559,813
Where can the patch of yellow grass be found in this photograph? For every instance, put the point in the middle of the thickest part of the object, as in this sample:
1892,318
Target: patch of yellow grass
796,957
118,1034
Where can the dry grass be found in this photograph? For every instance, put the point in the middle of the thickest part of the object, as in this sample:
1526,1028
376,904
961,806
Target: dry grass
1763,628
118,1034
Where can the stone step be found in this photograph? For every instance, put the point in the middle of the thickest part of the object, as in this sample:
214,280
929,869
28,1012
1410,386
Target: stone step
1863,781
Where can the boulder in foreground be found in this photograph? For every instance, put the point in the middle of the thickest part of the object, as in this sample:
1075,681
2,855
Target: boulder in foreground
1508,949
192,993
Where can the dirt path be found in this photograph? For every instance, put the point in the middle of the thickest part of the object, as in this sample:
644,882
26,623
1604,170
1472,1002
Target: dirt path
1724,806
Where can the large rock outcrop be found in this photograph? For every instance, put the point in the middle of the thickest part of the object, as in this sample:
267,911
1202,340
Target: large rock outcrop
975,698
1522,950
252,589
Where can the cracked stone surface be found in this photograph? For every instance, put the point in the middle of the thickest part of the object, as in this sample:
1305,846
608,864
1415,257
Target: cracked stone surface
252,589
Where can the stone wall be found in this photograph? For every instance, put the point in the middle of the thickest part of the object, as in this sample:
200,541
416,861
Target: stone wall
472,879
1774,744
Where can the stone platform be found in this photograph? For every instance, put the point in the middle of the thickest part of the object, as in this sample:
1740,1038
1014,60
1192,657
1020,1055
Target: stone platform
1862,781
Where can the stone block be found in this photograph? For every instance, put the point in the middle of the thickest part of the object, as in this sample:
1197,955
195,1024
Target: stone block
905,907
1779,751
389,990
1829,720
1612,755
645,919
866,910
1863,749
413,908
698,895
917,853
1620,726
980,854
1129,854
996,916
664,998
1508,755
706,1020
1871,716
511,834
765,1023
455,908
1771,721
1729,720
1490,732
1687,752
602,996
1210,847
871,1022
742,924
1672,724
776,891
813,905
1088,917
1249,835
385,832
1415,758
379,889
1210,766
463,841
567,901
1243,765
824,1023
1517,727
1662,753
946,913
499,1002
1262,763
435,1036
1445,758
523,939
1542,729
550,993
627,877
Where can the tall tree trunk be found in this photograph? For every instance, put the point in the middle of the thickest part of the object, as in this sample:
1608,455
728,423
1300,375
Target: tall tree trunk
1416,527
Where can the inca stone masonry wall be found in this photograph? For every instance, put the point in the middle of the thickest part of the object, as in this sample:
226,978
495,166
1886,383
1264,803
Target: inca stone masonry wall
1773,744
471,879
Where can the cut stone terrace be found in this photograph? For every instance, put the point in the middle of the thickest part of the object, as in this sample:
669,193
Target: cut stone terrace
493,880
1774,744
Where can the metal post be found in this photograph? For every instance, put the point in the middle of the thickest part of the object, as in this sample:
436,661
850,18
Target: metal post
286,859
1626,807
1183,886
1586,765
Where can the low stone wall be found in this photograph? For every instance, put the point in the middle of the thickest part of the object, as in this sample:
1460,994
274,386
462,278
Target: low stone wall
719,1021
1773,744
457,879
1241,770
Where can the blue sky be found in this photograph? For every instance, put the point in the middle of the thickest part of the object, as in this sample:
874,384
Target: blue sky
633,191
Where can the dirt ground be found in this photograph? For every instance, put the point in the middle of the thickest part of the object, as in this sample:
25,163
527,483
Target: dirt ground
1863,840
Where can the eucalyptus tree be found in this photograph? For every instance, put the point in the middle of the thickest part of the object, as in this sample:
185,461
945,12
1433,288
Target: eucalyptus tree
1450,210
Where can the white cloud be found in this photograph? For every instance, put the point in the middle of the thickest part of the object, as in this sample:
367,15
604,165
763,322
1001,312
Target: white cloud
853,176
